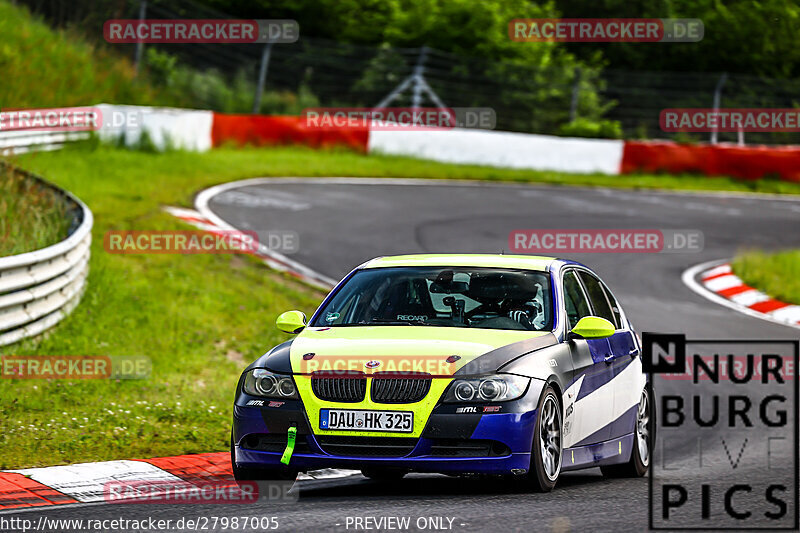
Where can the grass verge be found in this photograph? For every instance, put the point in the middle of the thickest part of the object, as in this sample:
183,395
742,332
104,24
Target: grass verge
776,274
31,216
60,68
200,318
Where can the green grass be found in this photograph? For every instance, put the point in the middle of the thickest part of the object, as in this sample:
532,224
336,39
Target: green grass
201,318
43,67
31,216
777,274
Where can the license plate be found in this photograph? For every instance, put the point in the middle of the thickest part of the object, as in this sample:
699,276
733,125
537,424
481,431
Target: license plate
362,420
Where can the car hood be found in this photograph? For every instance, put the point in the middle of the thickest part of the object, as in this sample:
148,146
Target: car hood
407,348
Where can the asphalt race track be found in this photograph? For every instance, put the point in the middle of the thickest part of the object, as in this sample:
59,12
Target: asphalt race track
341,224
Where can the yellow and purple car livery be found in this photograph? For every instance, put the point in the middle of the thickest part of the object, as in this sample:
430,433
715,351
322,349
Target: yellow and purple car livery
494,364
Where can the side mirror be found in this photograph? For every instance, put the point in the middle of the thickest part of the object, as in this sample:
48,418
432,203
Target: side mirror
291,321
593,327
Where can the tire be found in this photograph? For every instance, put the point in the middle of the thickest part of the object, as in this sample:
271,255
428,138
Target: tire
383,474
547,448
243,473
642,451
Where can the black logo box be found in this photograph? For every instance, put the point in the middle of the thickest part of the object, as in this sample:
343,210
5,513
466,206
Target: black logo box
678,366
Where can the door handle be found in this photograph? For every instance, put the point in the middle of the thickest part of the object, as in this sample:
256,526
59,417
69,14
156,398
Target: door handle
634,352
609,358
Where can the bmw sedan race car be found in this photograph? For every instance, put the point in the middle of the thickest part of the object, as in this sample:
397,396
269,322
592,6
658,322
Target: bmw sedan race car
491,364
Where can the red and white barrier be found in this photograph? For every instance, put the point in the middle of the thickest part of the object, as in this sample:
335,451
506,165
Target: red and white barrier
267,130
747,162
199,130
502,149
522,150
166,127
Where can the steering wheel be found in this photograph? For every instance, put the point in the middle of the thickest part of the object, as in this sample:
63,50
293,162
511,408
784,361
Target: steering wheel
483,308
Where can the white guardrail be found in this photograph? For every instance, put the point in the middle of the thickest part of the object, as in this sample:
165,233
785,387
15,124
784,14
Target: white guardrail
39,288
20,142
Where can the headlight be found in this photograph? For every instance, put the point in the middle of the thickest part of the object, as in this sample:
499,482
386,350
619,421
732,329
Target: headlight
260,382
495,388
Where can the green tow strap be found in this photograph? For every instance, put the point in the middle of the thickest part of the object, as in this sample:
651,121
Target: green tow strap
287,453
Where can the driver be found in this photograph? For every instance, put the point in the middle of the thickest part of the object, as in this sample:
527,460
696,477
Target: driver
524,312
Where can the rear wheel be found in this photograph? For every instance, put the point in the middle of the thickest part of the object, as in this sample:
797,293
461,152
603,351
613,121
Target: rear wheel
248,473
547,443
642,441
384,474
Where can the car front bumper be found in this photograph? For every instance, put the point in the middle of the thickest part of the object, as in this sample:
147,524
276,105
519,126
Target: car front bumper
494,442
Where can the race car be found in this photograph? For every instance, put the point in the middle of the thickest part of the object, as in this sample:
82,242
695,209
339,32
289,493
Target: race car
507,365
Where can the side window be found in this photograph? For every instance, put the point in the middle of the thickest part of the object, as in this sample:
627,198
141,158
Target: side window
614,306
574,299
598,297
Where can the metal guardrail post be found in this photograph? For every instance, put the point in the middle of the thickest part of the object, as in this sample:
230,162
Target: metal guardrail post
717,97
418,86
140,44
576,88
262,77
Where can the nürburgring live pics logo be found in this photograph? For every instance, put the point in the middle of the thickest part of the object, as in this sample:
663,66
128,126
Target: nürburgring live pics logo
726,450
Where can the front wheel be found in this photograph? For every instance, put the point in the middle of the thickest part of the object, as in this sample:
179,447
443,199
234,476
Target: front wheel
547,443
642,443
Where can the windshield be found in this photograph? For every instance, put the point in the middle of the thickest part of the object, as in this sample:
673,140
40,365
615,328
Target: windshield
487,298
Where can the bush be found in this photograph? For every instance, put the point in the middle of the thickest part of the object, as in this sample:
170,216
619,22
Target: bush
595,129
211,89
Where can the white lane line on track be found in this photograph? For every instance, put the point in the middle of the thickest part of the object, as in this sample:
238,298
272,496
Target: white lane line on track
689,278
275,259
438,182
272,259
283,263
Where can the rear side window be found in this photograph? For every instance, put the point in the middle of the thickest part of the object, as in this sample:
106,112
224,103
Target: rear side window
574,299
614,306
598,297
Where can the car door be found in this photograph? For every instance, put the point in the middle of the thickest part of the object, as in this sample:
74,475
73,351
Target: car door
586,401
624,350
